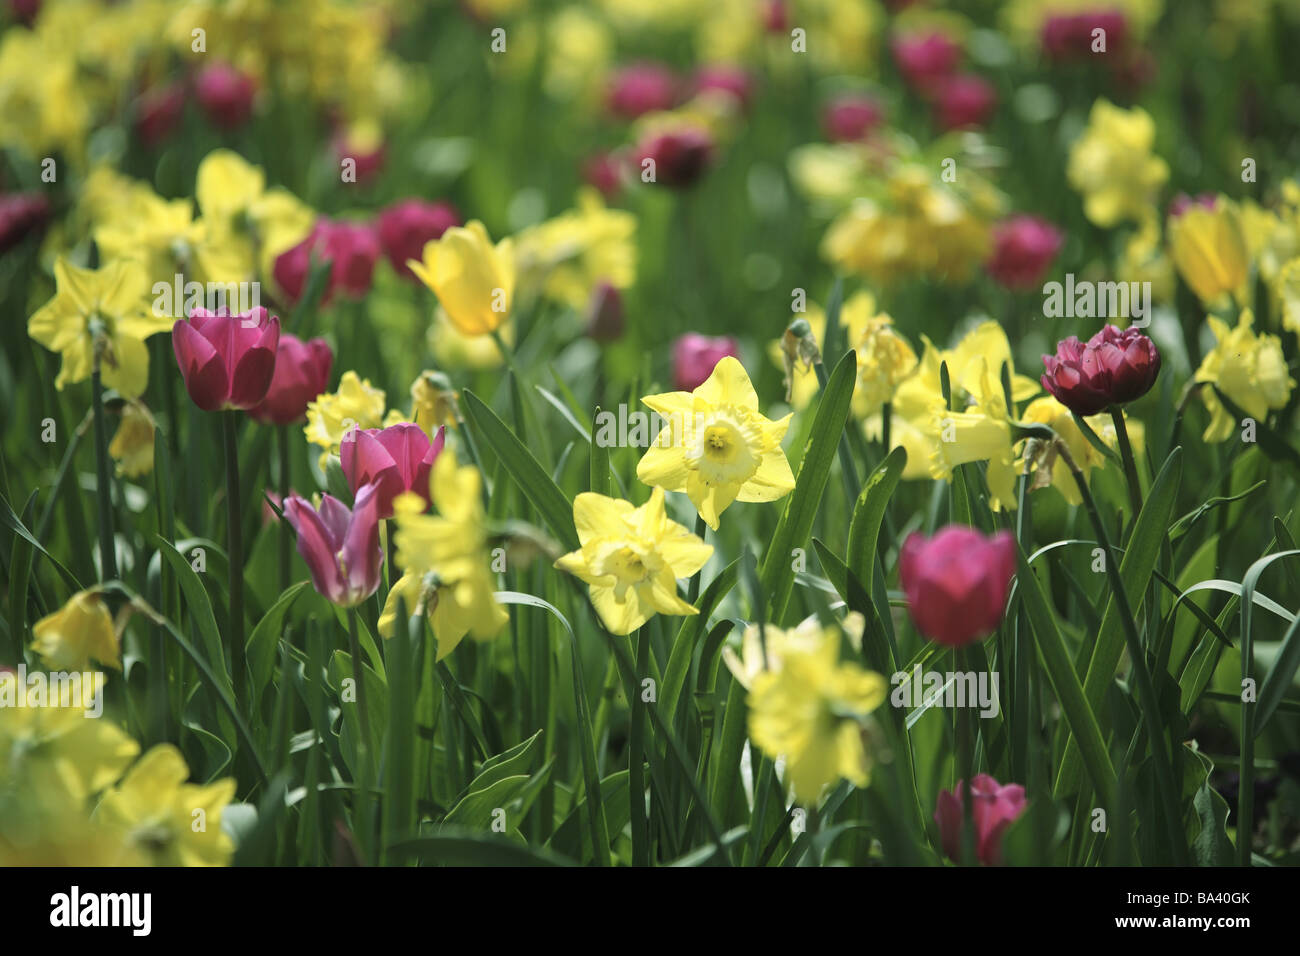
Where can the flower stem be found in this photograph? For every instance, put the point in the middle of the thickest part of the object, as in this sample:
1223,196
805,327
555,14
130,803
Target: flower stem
693,588
103,488
235,552
362,829
1130,463
286,533
636,758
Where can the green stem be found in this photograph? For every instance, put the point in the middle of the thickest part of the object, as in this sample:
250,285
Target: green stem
286,533
693,588
636,758
103,488
1130,463
235,552
363,744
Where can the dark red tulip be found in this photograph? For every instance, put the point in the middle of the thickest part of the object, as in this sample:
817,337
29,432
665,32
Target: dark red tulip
680,156
1070,36
406,226
849,117
776,16
302,372
227,360
641,88
351,248
393,459
956,582
605,172
964,100
21,215
605,313
925,58
158,113
1113,368
995,807
225,94
1023,248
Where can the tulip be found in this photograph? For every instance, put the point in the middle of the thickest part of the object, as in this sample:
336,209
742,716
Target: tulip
473,279
227,360
605,322
158,113
226,95
1113,368
351,248
729,80
1023,248
965,100
1070,36
694,357
775,16
1208,245
956,582
394,459
994,809
302,371
1183,202
641,88
604,171
21,215
406,226
678,157
341,547
924,59
848,118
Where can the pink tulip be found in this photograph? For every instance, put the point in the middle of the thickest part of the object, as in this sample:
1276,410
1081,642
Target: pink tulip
956,582
604,171
848,118
964,100
641,88
405,227
995,808
680,156
925,58
352,248
226,95
694,357
1023,248
1113,368
392,460
227,360
1070,36
341,547
1183,202
302,371
731,80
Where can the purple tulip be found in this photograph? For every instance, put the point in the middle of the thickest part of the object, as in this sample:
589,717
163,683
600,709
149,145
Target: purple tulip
341,547
227,360
1113,368
393,460
694,357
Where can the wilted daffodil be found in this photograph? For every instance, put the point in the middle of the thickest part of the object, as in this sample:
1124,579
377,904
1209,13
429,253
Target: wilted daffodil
812,711
1209,248
473,279
1113,166
132,444
446,559
100,317
632,557
717,447
166,820
1247,367
79,632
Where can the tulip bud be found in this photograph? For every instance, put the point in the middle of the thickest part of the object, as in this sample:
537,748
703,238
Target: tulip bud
641,88
1113,368
680,156
21,215
956,582
925,58
965,100
158,113
225,94
1023,248
603,170
729,80
1070,36
605,313
694,357
994,808
848,118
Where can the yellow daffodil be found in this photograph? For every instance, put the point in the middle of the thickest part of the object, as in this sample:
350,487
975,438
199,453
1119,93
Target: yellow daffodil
1209,249
1113,166
1052,469
884,360
168,821
808,636
433,402
133,442
473,279
57,750
77,633
717,446
1247,367
566,256
453,349
356,404
100,318
1288,295
812,712
980,433
445,558
631,558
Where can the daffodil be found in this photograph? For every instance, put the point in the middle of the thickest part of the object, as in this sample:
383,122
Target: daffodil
133,442
812,711
884,360
631,558
1112,164
445,558
1247,367
166,820
56,749
1052,469
568,255
453,349
356,404
1209,248
473,279
77,633
99,319
433,402
810,635
717,446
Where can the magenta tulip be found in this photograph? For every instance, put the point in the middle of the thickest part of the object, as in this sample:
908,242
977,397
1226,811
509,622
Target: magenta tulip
1070,36
641,88
341,547
225,94
962,101
994,809
393,459
227,361
956,582
302,371
730,80
405,227
679,156
1113,368
351,248
694,357
1023,248
925,58
850,117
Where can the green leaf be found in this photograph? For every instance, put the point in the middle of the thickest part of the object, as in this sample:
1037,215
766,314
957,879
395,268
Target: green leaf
802,505
869,511
518,759
266,635
1279,676
457,847
538,487
200,607
679,660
